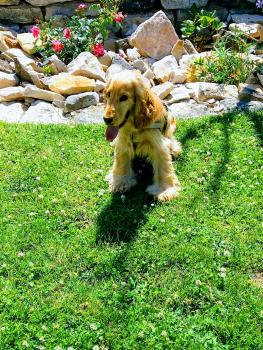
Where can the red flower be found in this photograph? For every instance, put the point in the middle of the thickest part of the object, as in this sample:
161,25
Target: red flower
119,17
98,50
67,33
81,7
57,45
35,31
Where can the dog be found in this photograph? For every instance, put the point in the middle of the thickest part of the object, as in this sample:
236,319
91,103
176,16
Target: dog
139,125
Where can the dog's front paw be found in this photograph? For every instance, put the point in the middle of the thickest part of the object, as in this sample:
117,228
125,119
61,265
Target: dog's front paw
119,183
168,194
175,148
163,195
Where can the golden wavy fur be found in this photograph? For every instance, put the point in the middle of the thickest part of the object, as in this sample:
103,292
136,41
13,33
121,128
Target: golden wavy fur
134,108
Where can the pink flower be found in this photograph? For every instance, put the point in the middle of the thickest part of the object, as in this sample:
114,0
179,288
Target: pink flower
81,7
35,31
119,17
57,45
98,50
37,20
67,33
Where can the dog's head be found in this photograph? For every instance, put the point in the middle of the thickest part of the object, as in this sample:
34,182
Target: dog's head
127,98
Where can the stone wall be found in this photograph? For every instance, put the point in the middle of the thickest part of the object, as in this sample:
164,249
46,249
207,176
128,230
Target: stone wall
25,11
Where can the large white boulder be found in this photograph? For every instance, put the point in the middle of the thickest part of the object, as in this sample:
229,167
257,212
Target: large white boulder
155,37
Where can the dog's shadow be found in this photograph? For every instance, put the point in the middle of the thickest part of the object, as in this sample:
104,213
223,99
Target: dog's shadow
120,220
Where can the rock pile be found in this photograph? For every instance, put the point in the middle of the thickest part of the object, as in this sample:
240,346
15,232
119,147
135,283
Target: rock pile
73,93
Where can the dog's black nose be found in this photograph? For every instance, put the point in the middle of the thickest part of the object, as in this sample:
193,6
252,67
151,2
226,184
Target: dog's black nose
108,121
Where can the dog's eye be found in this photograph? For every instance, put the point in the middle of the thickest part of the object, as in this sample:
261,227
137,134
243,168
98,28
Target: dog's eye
123,98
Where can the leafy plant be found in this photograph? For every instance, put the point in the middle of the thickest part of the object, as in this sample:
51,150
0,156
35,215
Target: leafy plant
80,33
201,28
224,65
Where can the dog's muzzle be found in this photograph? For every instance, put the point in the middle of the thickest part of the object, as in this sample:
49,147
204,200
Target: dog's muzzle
108,121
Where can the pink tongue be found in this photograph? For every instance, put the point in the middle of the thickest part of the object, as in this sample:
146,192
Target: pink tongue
111,133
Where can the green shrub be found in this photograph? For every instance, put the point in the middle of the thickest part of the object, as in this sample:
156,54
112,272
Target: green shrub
79,33
201,28
226,65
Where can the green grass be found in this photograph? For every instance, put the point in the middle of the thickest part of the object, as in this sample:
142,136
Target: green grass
83,269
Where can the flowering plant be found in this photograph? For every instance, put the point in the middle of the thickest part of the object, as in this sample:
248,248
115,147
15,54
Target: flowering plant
80,32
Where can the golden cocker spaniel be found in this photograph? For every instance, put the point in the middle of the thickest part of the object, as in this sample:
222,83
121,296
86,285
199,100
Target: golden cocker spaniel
140,126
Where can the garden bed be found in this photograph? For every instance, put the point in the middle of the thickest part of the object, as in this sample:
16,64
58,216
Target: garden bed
60,67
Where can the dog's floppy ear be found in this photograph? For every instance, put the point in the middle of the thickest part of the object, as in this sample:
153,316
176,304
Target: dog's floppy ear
147,109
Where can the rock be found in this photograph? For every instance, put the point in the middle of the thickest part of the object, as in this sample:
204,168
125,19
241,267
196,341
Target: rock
178,76
189,109
182,4
27,69
57,65
131,23
144,38
250,106
110,44
90,115
260,77
105,60
179,93
178,50
11,112
40,94
7,80
7,41
12,94
137,6
228,104
162,69
67,84
9,2
41,112
149,74
247,18
118,65
221,11
67,9
28,42
21,13
6,67
133,54
123,44
87,65
187,60
80,101
100,86
250,92
251,30
13,53
207,91
163,90
140,65
189,47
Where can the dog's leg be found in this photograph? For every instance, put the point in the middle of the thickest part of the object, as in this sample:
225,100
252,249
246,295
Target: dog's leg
121,178
175,148
165,183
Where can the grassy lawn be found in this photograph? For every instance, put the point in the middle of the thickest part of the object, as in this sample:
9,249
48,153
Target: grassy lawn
83,269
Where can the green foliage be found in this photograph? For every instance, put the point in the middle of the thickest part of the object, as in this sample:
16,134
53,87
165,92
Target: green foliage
84,269
201,27
85,32
226,64
47,69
